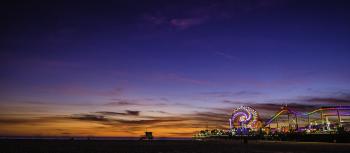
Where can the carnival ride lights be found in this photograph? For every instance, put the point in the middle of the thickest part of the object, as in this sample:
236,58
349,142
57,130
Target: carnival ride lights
299,114
244,119
245,116
283,109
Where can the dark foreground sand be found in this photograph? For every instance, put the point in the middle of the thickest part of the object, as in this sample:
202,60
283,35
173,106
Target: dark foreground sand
104,146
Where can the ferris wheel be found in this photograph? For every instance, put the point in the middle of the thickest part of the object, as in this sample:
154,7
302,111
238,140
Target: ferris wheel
244,116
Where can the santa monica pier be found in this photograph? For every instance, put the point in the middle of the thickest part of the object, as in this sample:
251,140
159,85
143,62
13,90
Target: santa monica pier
327,124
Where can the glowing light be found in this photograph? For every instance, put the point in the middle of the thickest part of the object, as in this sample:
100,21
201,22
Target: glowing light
285,109
245,115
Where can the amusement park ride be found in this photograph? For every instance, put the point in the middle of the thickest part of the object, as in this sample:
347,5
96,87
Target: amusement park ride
325,120
322,122
247,118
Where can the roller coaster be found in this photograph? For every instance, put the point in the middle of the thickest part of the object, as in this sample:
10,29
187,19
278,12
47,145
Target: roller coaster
323,120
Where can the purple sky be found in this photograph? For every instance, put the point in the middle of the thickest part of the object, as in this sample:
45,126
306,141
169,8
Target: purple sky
169,59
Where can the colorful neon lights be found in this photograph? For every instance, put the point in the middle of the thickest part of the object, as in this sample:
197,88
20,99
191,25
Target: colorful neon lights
244,115
285,109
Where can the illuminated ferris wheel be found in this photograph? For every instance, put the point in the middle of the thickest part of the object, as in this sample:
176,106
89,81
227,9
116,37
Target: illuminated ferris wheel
244,116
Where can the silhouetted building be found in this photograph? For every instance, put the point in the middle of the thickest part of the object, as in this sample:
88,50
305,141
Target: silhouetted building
149,135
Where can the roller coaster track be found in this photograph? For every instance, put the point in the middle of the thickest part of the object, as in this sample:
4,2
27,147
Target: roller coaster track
307,114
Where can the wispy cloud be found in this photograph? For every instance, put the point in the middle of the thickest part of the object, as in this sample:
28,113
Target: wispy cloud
135,102
182,79
242,93
14,121
187,18
181,23
341,100
203,13
161,112
28,120
127,112
330,100
184,23
123,103
89,117
227,56
78,90
277,107
154,19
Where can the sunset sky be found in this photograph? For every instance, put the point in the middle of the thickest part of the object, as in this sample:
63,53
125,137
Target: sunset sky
118,68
